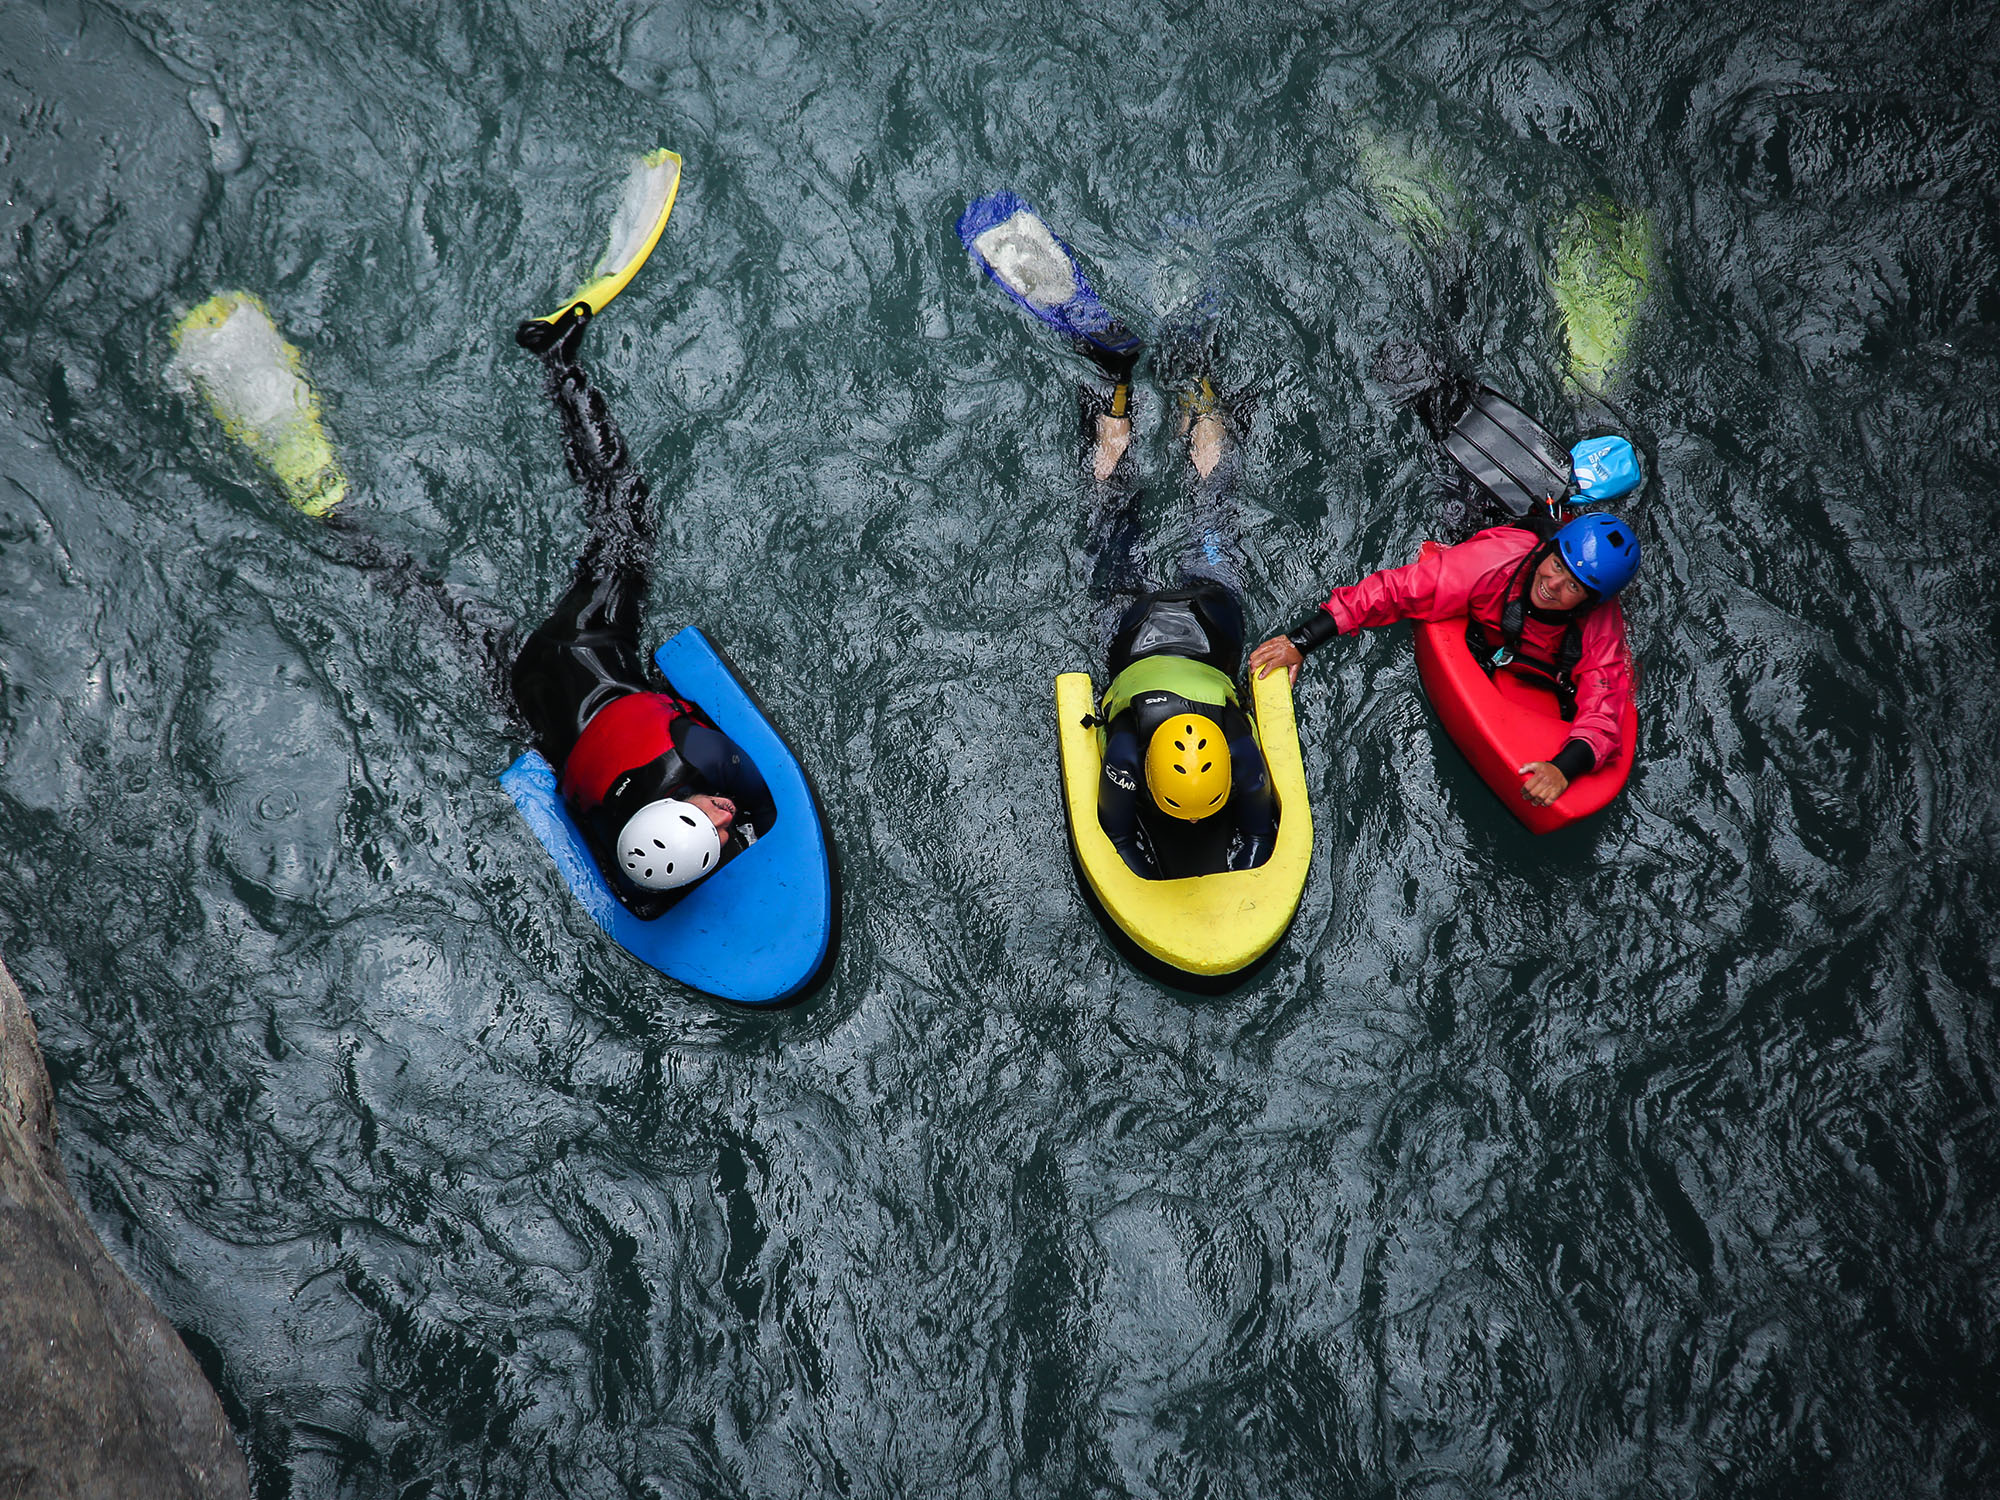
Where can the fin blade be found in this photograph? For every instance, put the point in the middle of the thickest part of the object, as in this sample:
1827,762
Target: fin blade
650,193
229,349
1028,261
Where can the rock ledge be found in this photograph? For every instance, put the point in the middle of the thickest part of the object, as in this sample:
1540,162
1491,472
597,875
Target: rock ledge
102,1399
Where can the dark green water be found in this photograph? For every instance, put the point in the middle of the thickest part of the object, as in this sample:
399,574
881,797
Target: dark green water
1657,1158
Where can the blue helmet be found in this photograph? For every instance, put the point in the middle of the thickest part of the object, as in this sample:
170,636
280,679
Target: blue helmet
1604,469
1601,551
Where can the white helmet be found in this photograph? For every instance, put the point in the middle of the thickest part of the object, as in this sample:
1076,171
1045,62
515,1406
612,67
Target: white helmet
667,844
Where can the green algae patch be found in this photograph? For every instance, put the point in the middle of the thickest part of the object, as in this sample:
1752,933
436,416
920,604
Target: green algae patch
230,351
1603,258
1407,184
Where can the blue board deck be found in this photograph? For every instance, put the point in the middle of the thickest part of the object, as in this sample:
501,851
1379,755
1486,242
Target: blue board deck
758,930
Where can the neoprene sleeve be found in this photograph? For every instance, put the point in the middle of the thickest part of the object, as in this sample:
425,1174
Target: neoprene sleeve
1312,630
1574,759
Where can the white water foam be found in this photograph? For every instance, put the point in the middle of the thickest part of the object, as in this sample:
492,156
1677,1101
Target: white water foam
244,367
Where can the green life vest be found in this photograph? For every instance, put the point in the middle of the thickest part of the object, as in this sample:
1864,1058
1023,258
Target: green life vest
1196,681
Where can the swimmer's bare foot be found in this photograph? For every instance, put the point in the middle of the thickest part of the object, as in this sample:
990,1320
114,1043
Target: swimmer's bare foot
1114,436
1205,443
1105,427
1203,425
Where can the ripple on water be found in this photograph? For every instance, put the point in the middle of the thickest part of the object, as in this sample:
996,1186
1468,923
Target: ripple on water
1652,1157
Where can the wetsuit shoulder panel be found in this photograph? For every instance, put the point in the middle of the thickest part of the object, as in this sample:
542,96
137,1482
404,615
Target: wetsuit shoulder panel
627,732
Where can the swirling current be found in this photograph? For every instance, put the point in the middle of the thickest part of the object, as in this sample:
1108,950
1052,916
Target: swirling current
1652,1158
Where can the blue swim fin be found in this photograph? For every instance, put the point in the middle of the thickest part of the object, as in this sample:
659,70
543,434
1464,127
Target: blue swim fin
1007,239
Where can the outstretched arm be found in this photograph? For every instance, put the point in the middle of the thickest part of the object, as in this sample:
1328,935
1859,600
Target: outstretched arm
483,633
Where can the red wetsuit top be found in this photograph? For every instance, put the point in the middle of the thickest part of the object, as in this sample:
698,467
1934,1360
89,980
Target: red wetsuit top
1472,578
625,734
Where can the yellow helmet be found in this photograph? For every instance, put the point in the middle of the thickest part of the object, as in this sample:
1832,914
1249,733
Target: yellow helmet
1187,767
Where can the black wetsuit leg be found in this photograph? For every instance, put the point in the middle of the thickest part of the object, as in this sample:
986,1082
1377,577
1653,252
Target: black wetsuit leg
483,634
587,652
1111,516
1214,551
1212,567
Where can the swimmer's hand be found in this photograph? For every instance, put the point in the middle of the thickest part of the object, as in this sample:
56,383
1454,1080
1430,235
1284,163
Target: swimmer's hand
1275,653
1544,784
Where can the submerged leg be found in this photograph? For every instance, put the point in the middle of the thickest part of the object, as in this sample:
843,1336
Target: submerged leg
1213,427
1112,499
618,505
1111,513
1110,435
587,651
482,633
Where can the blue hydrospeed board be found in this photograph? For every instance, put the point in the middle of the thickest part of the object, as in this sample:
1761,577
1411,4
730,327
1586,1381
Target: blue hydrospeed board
758,930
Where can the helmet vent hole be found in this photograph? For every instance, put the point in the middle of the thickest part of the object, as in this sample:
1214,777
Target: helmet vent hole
670,867
658,845
704,861
1206,764
649,872
1616,538
687,820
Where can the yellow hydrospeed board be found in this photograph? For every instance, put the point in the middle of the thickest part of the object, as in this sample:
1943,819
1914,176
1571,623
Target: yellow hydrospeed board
1210,925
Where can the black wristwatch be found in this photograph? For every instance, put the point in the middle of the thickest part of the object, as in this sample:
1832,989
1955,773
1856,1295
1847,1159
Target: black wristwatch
1311,631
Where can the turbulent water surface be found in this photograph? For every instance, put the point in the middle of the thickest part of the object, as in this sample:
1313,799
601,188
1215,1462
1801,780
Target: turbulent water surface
1653,1158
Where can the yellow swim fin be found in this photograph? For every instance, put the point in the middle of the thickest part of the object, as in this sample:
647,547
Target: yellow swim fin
642,213
229,349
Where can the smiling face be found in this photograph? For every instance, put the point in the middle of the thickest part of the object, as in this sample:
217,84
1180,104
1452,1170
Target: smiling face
719,810
1555,587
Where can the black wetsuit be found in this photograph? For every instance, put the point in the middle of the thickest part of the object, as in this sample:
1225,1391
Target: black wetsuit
587,653
1159,847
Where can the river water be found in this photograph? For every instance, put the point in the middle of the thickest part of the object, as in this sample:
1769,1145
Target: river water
1654,1158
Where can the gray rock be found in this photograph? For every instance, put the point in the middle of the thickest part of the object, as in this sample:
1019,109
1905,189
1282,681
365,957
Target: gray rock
102,1399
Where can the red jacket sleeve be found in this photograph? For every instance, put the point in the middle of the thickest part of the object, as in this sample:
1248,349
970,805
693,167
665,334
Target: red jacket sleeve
1436,586
1603,682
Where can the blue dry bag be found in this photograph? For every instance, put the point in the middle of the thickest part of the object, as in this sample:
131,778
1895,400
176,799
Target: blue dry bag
1605,468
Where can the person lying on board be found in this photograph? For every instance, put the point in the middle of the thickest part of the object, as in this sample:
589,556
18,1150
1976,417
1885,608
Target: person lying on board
1543,606
662,797
1174,729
